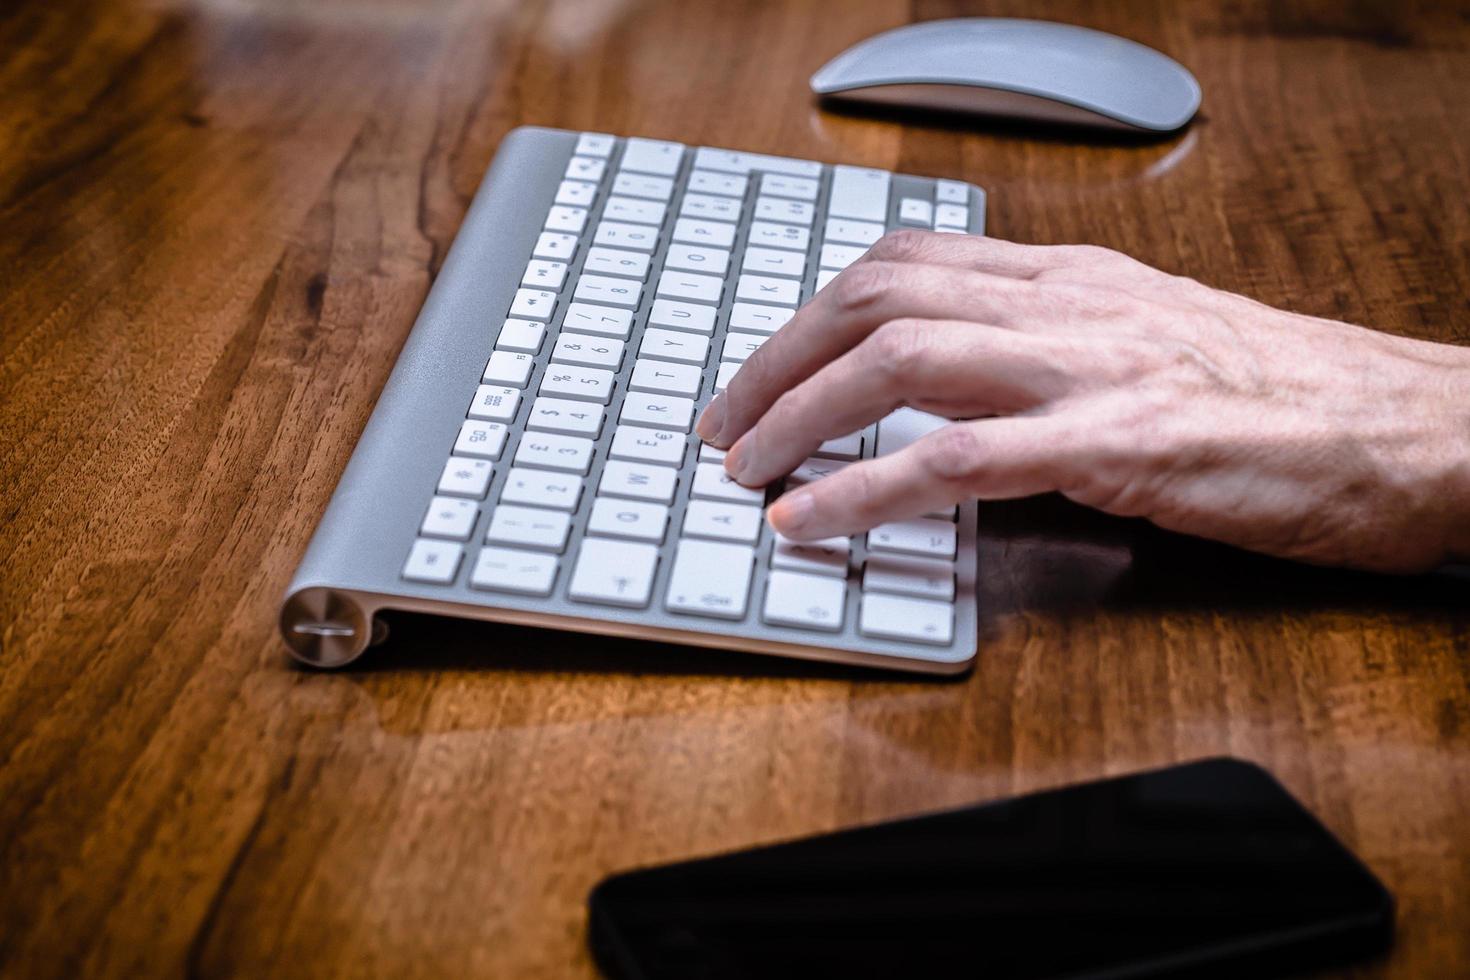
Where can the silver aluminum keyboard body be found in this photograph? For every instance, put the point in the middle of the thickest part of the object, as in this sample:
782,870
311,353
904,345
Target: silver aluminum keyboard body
368,548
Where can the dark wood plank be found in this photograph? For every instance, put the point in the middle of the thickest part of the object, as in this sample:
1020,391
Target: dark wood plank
218,223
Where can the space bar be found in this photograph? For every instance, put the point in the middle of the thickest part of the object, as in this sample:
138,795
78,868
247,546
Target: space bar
735,162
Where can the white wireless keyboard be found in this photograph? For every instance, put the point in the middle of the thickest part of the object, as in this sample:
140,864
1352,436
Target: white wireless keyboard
532,457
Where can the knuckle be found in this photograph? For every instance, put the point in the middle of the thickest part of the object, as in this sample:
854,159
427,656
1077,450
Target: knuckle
900,349
952,454
863,284
904,244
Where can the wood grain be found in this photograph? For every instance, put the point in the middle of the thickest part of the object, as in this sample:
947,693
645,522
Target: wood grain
217,221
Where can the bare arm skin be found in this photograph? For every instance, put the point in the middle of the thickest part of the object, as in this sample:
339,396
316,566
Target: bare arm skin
1077,369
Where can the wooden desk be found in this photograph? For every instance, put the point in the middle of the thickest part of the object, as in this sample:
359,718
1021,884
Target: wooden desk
217,221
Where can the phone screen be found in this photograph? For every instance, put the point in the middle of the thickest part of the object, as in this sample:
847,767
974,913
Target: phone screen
1207,868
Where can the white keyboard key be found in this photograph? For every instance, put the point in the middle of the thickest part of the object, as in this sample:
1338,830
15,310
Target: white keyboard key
942,229
952,216
809,602
635,519
566,416
652,156
839,256
666,377
813,470
556,245
922,536
739,346
607,289
710,206
951,192
570,220
544,274
710,579
585,168
559,491
826,276
774,261
465,477
697,258
508,570
639,481
853,232
723,377
859,192
674,345
759,319
635,210
660,411
901,618
449,517
711,182
604,320
715,261
917,577
592,351
735,162
576,193
555,451
711,482
772,235
588,384
508,367
495,402
642,445
694,317
433,561
765,289
615,573
530,527
785,211
912,211
901,428
536,304
780,185
617,234
616,262
710,454
485,440
847,447
722,521
594,144
521,335
643,185
699,232
690,285
826,556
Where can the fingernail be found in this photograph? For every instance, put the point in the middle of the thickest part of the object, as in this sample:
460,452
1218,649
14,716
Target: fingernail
711,419
792,511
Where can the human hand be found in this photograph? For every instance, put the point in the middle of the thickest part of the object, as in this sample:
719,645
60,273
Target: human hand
1139,393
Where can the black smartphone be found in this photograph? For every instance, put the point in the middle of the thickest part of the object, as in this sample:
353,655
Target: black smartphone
1205,869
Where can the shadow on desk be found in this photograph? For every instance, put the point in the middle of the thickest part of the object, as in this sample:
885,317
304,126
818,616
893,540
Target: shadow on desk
1051,557
1043,557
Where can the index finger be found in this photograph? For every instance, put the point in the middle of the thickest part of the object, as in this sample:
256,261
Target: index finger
858,301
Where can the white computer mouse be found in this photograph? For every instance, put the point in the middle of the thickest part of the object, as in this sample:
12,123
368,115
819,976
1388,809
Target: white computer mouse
1032,69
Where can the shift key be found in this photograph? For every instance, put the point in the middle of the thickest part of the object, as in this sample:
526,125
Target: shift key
921,536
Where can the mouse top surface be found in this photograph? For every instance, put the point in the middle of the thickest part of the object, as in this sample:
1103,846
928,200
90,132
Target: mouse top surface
1033,68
